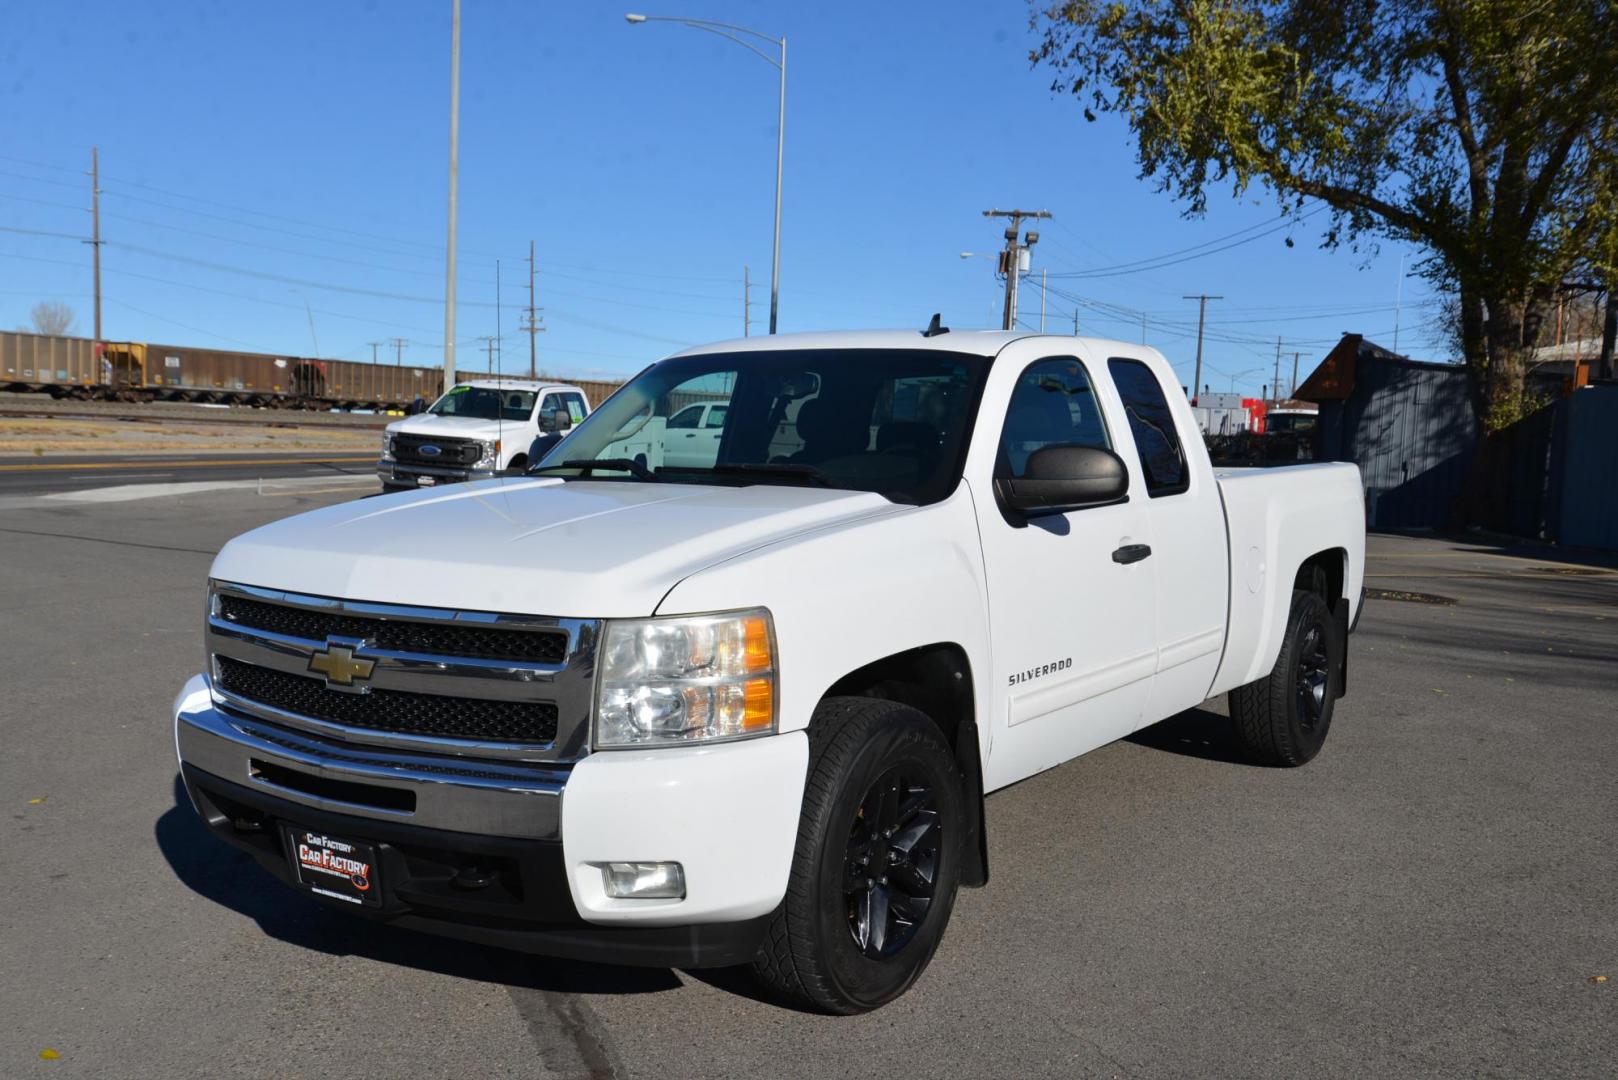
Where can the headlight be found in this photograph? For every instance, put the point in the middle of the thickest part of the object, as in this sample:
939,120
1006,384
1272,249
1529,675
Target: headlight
697,678
491,453
387,444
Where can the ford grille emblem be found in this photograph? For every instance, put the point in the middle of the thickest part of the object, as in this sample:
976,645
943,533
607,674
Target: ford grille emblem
430,450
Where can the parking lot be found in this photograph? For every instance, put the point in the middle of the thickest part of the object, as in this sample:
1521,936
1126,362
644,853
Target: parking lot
1433,895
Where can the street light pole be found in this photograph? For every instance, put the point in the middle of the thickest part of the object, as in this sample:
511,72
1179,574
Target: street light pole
454,184
729,31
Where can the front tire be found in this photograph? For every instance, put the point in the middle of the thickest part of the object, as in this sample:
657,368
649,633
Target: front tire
877,862
1283,719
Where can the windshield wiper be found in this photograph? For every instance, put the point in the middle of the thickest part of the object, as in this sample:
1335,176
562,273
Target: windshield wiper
616,464
807,473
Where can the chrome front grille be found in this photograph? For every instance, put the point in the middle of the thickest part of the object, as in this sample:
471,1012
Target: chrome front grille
448,639
475,684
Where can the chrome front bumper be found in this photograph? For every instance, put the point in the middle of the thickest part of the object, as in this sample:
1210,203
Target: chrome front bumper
487,798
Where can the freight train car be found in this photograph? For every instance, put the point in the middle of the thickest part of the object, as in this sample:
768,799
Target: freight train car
56,365
140,371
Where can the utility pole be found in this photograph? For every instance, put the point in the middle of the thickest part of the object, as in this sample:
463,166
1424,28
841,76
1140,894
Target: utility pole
747,302
1276,385
532,326
1075,320
398,351
1609,332
95,231
1202,313
1294,389
454,183
1043,278
1015,256
374,346
488,347
497,326
1143,328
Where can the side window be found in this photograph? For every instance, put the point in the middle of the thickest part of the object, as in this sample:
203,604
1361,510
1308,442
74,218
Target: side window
1156,438
686,417
573,402
1053,404
716,417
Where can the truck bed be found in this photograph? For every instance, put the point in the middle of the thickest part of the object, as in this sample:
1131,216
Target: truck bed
1276,518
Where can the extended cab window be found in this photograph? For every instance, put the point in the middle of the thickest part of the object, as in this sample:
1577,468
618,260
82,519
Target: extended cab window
1156,438
1053,405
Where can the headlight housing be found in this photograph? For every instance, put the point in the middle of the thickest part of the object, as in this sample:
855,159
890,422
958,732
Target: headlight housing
491,453
387,444
687,679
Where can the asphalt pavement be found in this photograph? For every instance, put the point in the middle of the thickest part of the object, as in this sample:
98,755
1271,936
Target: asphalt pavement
1434,895
79,472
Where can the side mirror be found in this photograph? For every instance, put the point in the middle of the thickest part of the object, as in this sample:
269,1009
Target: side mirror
1062,478
558,420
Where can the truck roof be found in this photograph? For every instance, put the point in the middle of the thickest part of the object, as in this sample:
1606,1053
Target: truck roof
980,342
515,384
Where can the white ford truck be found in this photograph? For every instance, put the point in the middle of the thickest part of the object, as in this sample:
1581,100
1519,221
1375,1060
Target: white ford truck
476,430
746,710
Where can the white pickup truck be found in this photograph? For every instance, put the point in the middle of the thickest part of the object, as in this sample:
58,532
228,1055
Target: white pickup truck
476,430
747,711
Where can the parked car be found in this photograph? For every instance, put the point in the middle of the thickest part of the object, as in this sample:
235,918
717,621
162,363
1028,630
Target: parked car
772,688
476,430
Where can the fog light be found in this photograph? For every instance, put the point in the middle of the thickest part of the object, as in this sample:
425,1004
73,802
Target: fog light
644,880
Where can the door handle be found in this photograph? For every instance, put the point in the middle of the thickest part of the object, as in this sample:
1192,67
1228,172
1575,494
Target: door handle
1131,553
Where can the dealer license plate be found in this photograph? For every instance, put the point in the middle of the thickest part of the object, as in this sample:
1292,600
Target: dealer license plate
332,866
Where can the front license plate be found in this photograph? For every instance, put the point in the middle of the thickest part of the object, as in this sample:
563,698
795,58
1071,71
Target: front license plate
331,866
426,481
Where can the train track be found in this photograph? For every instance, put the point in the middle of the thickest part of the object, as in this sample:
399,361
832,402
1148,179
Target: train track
168,412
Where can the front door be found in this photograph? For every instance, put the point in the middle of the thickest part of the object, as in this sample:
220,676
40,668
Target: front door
1072,625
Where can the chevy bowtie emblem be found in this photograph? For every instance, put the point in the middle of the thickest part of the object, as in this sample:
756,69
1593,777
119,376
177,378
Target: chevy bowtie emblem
340,666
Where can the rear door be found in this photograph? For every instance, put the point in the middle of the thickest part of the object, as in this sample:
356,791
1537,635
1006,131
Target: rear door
1190,558
1071,625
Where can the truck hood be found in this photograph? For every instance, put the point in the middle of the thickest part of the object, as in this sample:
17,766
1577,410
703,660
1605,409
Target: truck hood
455,427
530,545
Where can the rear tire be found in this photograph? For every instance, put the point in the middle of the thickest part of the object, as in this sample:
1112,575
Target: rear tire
1283,719
877,862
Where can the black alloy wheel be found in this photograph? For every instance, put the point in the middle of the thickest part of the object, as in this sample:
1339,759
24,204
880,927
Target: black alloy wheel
891,866
878,861
1314,677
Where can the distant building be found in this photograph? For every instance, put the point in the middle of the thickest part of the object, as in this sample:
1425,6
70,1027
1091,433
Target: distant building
1407,424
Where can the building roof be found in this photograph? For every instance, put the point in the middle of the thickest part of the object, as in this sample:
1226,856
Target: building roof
1334,379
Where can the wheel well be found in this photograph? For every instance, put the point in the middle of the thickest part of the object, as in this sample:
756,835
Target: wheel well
1334,564
936,680
519,462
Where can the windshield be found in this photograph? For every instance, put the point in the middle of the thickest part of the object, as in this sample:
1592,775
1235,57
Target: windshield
486,403
891,421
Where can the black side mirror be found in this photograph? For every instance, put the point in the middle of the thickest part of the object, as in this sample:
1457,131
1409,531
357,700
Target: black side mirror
558,420
1062,478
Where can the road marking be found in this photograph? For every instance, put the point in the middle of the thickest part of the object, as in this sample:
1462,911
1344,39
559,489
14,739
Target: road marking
128,476
210,464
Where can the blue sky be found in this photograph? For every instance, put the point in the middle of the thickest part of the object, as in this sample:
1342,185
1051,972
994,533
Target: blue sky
266,166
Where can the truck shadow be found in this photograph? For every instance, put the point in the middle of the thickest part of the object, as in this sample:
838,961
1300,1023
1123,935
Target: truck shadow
233,880
1197,733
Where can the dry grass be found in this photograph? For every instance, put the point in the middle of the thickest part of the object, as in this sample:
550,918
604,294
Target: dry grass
46,435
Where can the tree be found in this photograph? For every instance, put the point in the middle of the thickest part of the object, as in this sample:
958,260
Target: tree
1484,131
51,317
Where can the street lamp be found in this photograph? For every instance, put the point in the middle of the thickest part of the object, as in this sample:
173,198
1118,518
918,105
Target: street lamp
729,32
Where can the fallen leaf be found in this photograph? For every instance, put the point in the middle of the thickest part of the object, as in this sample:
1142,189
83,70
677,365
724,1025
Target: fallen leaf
1598,979
36,802
50,1055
